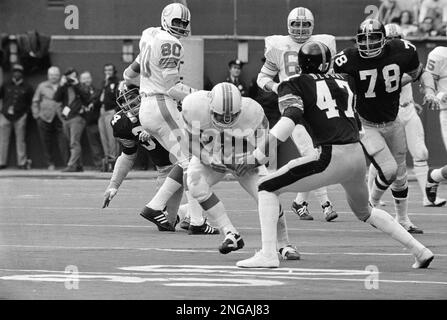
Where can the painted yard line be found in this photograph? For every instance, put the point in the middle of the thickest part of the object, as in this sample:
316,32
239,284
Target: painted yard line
200,250
268,275
139,208
73,225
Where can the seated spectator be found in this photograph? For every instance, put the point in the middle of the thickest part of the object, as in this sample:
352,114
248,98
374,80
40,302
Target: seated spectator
73,98
235,69
46,111
435,9
108,107
426,29
91,116
406,23
388,10
16,96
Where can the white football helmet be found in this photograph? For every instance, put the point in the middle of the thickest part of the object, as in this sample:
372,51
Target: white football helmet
393,31
225,105
300,24
172,12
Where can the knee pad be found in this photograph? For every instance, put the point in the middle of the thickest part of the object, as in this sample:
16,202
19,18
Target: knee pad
421,154
197,186
388,171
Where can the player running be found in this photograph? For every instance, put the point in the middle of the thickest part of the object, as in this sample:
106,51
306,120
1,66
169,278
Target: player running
325,102
156,72
281,54
437,68
414,131
223,128
377,67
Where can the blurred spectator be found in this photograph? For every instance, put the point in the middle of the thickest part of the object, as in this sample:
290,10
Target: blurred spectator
426,29
108,106
91,116
435,9
235,68
389,10
268,100
17,95
406,23
46,111
412,6
72,98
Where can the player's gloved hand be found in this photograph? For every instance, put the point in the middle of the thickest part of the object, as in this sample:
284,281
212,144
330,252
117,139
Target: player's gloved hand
275,87
247,166
218,166
431,101
108,196
144,136
418,108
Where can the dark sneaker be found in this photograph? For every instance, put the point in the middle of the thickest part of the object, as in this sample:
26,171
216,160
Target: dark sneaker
184,224
301,210
232,242
289,252
329,212
205,228
157,217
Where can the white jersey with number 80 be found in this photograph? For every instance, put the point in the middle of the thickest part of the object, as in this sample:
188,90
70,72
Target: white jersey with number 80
159,59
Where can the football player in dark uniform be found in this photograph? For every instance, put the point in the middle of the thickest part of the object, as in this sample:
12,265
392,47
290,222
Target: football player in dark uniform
378,66
129,132
325,104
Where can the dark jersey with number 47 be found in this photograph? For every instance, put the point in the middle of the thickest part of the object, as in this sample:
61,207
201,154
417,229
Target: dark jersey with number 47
128,134
378,80
324,104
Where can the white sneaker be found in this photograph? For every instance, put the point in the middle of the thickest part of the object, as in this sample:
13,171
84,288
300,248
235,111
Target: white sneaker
423,259
439,202
259,260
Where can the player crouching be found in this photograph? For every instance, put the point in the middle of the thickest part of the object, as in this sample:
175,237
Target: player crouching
222,126
325,102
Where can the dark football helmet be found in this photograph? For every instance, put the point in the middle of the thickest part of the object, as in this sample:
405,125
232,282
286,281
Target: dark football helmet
370,38
314,57
129,101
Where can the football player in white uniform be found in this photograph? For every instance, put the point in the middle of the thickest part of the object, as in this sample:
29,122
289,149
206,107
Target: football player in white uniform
281,54
437,67
223,128
414,131
156,72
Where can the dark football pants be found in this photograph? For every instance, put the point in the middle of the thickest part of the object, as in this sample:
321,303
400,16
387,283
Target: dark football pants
337,164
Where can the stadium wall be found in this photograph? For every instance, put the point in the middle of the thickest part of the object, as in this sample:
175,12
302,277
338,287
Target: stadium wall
113,17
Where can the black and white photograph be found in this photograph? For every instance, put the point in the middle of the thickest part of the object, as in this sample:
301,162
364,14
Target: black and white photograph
223,155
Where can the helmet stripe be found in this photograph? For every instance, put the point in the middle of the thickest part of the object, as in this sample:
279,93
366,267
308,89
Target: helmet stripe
323,53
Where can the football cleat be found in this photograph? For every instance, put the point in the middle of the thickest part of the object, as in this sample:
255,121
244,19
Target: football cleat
329,212
205,228
289,252
423,259
431,187
411,228
157,217
184,224
260,260
232,242
301,210
439,202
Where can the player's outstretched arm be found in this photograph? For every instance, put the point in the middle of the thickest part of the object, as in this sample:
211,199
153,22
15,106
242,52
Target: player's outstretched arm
131,75
123,165
428,88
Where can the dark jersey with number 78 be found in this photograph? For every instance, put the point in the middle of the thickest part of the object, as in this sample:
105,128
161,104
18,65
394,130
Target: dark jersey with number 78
378,80
326,107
